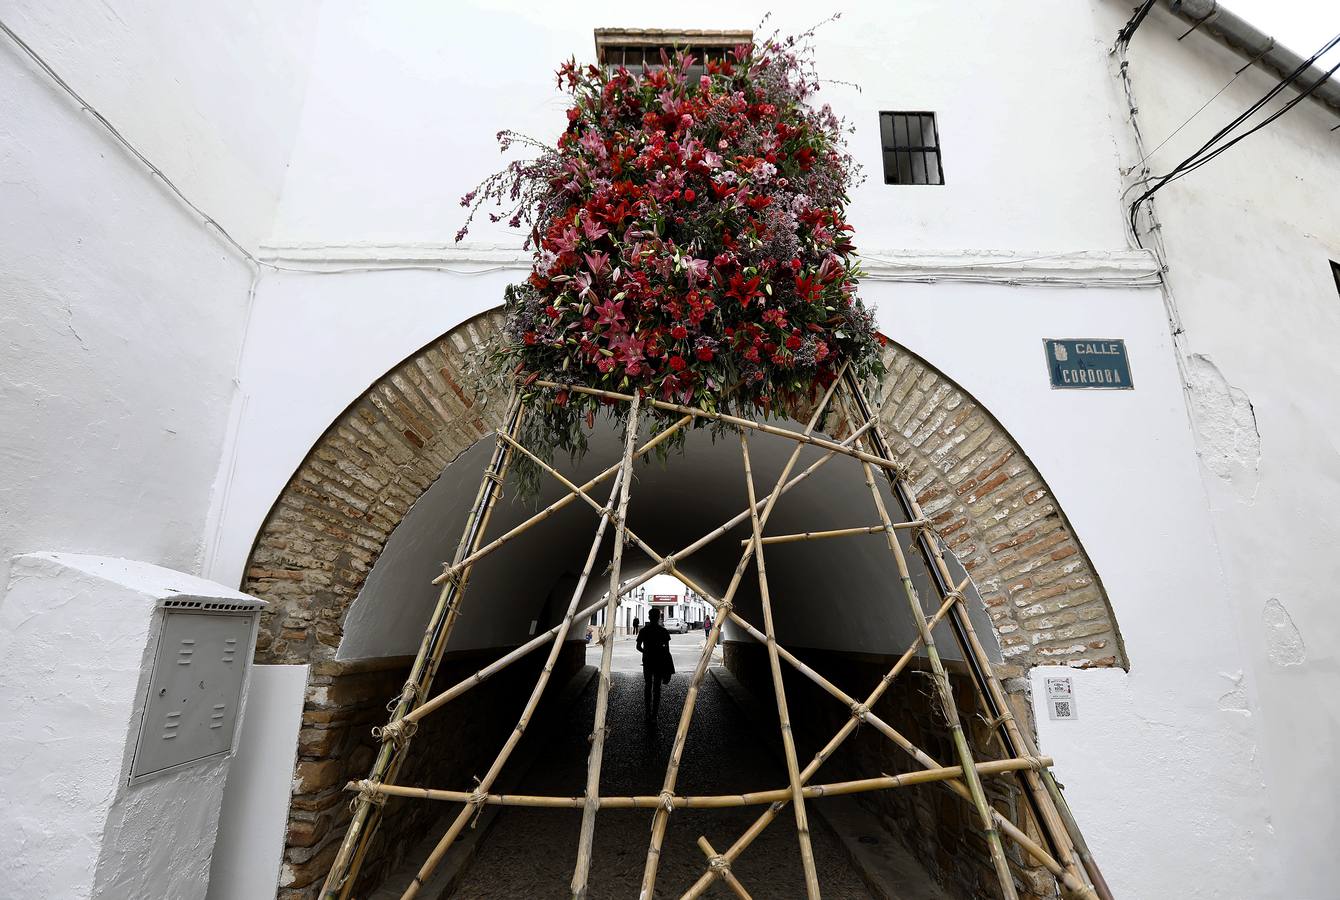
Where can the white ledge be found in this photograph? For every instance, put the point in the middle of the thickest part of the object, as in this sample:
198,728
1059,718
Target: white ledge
1082,268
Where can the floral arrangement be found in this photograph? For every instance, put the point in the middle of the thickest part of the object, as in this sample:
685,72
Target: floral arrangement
689,238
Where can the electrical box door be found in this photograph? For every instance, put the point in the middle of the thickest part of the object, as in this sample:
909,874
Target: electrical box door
194,691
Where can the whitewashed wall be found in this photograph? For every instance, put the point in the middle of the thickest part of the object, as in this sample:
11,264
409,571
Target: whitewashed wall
1249,239
404,101
209,92
122,317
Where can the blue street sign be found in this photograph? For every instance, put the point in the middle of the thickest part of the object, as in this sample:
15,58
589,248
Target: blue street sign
1088,363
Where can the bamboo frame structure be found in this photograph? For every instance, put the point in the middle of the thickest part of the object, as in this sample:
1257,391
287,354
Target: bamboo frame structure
586,838
945,694
1041,788
660,819
463,818
1062,850
779,690
340,878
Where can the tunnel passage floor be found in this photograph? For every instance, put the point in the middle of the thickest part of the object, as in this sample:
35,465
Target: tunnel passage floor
531,852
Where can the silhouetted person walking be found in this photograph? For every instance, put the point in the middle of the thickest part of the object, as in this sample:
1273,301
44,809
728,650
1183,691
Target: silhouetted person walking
653,642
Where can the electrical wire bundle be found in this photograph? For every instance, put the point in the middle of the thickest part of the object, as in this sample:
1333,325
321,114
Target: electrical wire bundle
1213,148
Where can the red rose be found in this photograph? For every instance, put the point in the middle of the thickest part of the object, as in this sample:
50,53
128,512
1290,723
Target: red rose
679,332
689,195
705,354
793,342
677,363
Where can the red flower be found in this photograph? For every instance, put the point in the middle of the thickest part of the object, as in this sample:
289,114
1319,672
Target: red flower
793,342
689,195
679,332
742,290
677,363
705,354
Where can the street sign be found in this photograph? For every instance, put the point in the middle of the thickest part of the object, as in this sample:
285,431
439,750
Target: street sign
1088,363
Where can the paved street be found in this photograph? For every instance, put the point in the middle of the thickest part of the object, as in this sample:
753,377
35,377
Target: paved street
684,648
529,853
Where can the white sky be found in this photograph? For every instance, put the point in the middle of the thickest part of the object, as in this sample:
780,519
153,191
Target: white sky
1301,25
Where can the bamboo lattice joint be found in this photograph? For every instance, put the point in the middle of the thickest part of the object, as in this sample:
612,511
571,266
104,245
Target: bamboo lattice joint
396,732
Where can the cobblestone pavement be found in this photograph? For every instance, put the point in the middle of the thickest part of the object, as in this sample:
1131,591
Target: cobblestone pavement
531,852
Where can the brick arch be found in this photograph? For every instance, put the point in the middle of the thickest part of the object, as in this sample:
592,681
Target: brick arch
332,520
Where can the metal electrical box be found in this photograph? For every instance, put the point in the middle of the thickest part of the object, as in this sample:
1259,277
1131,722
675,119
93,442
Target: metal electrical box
195,689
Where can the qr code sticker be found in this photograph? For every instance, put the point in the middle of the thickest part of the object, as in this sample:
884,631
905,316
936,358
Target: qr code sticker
1062,709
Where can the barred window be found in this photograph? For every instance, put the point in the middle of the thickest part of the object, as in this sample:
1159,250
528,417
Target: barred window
911,148
635,48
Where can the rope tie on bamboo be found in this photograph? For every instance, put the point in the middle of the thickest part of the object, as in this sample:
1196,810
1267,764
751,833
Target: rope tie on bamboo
409,693
477,800
667,799
719,864
397,732
450,573
497,479
367,793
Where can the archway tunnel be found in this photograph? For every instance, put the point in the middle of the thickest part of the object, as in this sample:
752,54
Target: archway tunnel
350,550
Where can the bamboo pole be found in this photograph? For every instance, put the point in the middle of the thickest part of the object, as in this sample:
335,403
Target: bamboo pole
586,838
706,801
715,801
779,691
835,533
727,419
339,881
719,863
558,504
660,817
946,696
663,564
1058,826
463,818
847,729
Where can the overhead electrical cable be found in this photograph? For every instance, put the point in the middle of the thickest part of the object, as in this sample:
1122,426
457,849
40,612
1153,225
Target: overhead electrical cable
1209,151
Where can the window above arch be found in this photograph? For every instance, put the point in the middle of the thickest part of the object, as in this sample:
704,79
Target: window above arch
635,47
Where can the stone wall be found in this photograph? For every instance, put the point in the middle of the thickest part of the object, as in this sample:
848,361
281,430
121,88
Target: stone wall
344,702
939,828
999,517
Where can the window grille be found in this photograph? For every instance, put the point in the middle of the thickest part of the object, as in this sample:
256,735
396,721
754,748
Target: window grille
910,142
635,48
